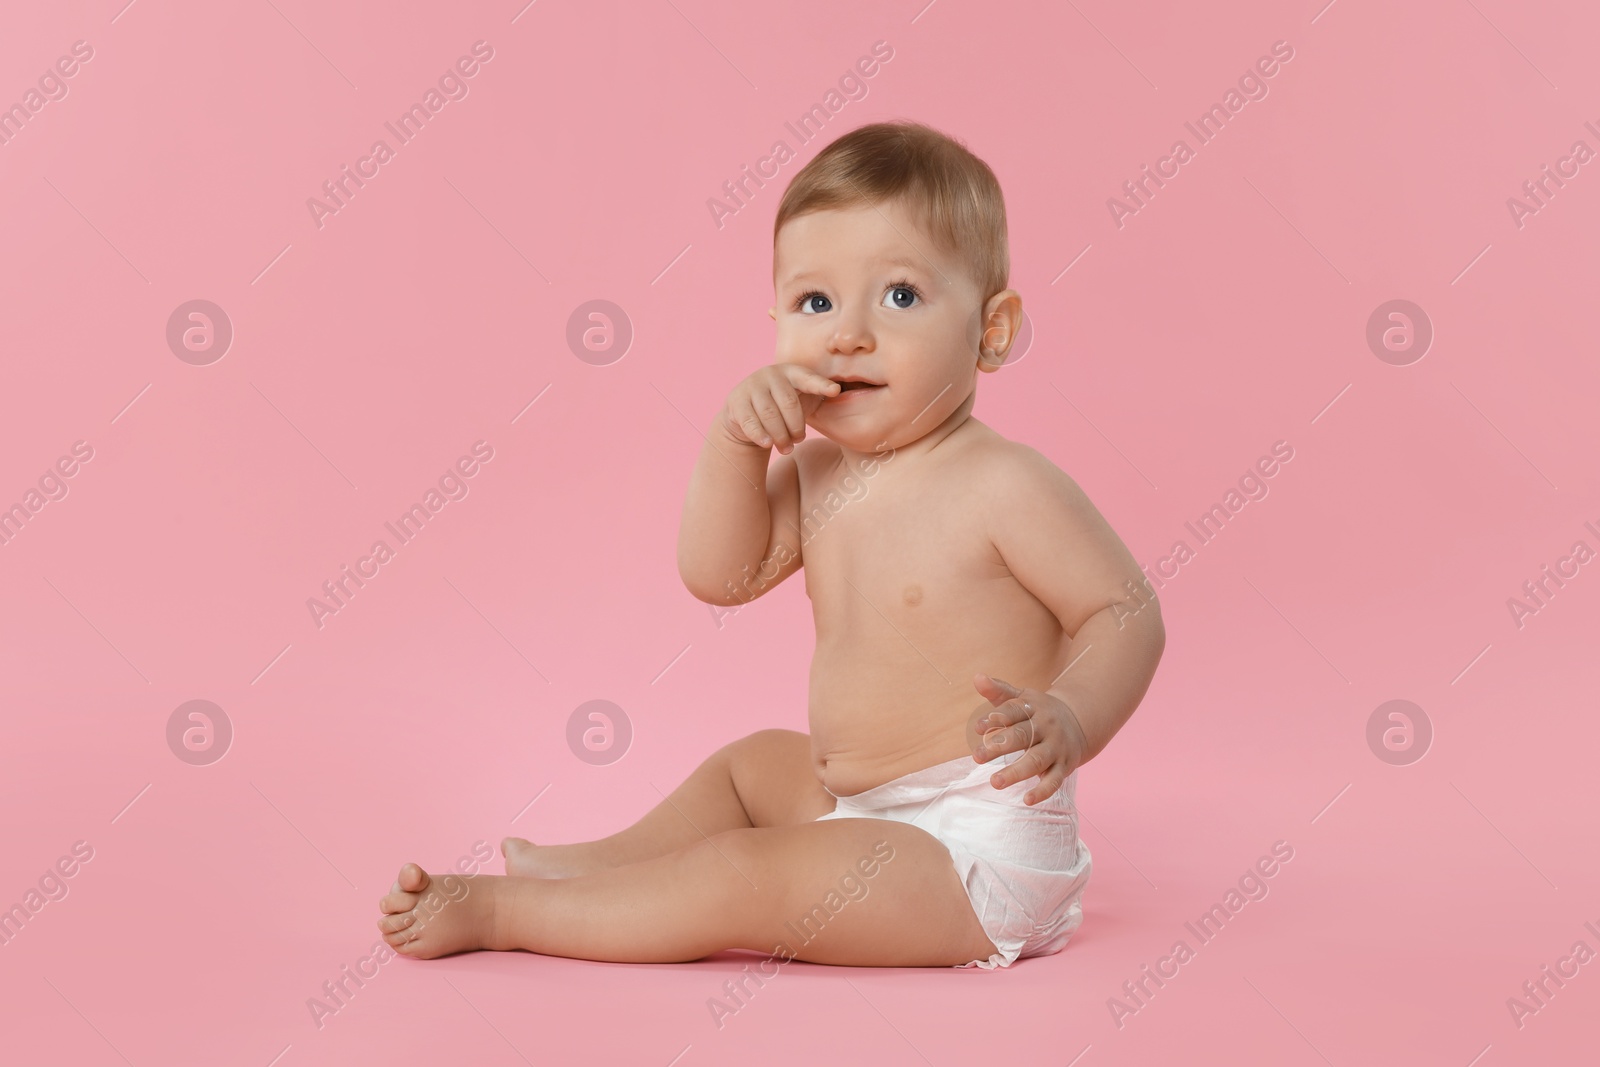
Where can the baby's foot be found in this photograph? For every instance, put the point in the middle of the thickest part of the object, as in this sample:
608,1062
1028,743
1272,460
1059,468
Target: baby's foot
525,859
425,917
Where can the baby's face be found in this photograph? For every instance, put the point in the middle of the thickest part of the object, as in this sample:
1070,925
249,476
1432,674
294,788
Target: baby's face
863,292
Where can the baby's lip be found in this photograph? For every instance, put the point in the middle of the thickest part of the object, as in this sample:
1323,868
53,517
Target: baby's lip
854,378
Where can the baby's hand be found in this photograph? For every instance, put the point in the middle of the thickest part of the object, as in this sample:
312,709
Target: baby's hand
772,405
1040,726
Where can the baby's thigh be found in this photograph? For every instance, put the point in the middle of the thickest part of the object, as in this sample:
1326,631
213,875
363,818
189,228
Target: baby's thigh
853,891
773,774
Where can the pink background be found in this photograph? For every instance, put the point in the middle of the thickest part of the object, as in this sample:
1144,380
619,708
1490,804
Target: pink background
371,352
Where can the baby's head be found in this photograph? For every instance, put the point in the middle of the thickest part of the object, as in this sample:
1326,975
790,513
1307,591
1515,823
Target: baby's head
890,265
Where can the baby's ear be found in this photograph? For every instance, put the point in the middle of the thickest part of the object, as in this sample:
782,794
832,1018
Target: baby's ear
773,311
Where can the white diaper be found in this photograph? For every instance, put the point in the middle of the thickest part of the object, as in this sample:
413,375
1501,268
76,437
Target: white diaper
1024,868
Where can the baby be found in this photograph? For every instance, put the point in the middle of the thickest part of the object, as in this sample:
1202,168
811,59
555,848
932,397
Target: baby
935,551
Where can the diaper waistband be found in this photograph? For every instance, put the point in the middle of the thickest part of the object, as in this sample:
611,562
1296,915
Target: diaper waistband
924,783
960,774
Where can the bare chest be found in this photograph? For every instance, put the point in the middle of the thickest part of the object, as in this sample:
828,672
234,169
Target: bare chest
901,552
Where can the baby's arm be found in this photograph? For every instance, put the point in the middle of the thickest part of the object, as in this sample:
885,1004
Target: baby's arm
1064,552
739,535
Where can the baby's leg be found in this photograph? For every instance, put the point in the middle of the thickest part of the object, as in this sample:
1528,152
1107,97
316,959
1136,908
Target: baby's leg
765,779
757,888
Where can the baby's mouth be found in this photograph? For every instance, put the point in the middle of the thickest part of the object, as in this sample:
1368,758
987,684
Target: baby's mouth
853,386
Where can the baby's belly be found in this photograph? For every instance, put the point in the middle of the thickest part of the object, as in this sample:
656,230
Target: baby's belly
856,749
890,699
872,722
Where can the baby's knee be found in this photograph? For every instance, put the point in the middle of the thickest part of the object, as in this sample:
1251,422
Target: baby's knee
735,858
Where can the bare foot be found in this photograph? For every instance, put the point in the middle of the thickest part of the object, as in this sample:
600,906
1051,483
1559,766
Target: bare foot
524,859
425,917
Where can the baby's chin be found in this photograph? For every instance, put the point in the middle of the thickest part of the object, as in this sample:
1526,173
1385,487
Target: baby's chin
859,441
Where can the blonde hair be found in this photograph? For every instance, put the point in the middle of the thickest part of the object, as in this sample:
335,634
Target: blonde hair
954,193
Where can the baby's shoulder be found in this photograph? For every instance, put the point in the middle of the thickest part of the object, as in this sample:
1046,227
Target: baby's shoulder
1009,467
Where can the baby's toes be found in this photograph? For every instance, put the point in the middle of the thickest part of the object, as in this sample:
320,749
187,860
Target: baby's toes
521,857
397,901
398,939
391,924
413,879
407,890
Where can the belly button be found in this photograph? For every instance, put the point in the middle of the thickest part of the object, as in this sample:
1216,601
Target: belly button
912,595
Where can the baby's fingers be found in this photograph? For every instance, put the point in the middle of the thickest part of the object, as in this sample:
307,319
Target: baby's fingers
1049,785
1004,730
749,428
1012,711
771,407
809,381
793,413
1036,760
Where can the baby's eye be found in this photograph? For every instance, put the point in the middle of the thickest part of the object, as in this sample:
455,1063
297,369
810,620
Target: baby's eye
809,304
901,296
